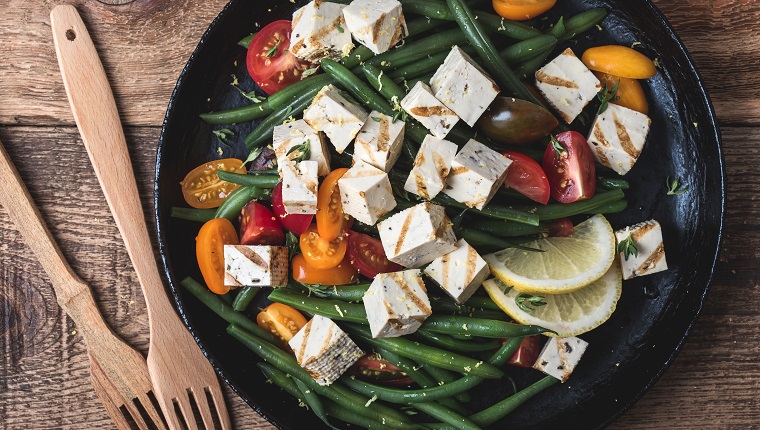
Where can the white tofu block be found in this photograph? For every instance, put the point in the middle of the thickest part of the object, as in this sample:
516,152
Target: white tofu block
618,136
296,133
299,186
340,119
319,31
422,105
460,272
651,251
463,86
324,350
379,141
560,356
255,266
431,167
567,84
418,235
366,193
376,24
396,303
477,172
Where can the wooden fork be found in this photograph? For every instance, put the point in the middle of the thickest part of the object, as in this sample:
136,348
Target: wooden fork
119,373
181,374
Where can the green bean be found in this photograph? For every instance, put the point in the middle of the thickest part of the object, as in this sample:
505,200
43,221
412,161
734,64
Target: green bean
224,310
443,377
456,345
502,228
334,309
446,415
234,203
448,307
613,184
346,293
529,67
336,411
424,79
244,298
527,49
291,92
313,401
582,22
280,378
558,29
260,181
564,210
192,214
478,239
609,208
238,114
492,210
425,65
413,51
452,324
356,86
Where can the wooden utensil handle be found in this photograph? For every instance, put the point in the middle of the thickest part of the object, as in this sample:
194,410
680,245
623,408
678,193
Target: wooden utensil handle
95,112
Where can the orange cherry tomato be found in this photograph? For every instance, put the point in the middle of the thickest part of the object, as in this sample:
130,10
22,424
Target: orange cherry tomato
203,189
282,321
330,219
321,253
342,274
521,10
209,249
630,93
619,61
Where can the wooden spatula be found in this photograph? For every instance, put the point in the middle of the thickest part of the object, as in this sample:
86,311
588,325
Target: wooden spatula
181,374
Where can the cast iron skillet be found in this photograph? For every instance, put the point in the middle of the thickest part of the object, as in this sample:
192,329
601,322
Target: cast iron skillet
655,314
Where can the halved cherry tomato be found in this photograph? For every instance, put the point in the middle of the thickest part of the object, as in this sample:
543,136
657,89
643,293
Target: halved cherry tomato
521,10
570,168
368,256
527,352
619,61
269,61
562,227
330,218
629,92
282,321
202,188
321,253
373,368
295,223
259,226
209,250
342,274
527,177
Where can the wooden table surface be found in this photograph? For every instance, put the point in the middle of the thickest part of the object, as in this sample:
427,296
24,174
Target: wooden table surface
44,376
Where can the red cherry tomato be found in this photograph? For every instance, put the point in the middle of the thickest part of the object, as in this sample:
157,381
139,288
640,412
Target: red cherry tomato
527,352
367,255
527,177
373,368
269,61
258,226
569,165
562,227
295,223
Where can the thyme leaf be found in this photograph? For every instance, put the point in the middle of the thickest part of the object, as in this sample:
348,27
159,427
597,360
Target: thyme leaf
627,247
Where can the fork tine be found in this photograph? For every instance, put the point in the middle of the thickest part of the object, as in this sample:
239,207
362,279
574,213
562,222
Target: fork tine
147,404
111,407
167,405
136,415
203,407
221,407
183,400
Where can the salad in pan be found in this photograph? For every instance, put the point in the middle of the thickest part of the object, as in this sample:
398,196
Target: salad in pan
423,210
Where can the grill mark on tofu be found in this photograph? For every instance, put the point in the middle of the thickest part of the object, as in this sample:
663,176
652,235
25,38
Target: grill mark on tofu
548,79
445,263
305,341
429,111
445,223
625,139
642,230
404,230
602,156
599,135
231,281
398,278
652,261
252,256
384,136
378,27
458,170
472,263
421,186
440,166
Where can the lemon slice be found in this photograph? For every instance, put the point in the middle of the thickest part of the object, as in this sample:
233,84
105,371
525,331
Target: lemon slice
568,314
567,263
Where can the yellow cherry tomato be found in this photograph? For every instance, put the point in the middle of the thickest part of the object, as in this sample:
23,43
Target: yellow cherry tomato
630,92
521,10
619,61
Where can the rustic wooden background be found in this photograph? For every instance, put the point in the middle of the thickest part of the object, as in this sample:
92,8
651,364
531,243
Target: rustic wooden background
44,381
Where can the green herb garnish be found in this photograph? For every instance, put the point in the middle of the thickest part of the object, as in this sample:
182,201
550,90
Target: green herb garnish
271,52
529,302
607,95
675,188
627,247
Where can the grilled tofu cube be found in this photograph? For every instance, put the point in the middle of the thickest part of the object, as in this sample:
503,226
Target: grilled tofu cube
567,84
460,272
651,251
366,193
397,303
324,350
463,86
618,136
299,186
376,24
319,32
296,133
379,141
477,172
418,235
340,119
255,266
422,105
560,356
431,166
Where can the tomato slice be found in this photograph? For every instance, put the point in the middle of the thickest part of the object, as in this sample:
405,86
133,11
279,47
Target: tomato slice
202,188
373,368
367,255
527,177
269,61
294,223
521,10
209,250
320,253
282,321
629,94
562,227
259,226
569,166
619,61
330,218
527,353
342,274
